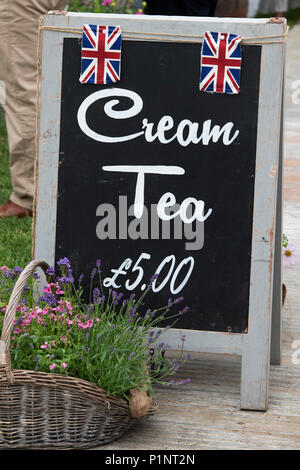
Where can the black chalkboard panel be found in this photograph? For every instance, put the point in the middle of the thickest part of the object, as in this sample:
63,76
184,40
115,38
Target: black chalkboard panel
216,276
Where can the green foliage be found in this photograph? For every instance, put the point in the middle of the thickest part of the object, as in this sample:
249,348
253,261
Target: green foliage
105,341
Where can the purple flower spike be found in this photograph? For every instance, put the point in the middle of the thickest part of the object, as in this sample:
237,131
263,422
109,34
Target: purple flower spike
155,276
50,271
64,262
96,295
93,273
184,382
66,279
17,269
49,299
131,312
98,263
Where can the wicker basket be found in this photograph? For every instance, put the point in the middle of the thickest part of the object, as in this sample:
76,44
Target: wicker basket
41,410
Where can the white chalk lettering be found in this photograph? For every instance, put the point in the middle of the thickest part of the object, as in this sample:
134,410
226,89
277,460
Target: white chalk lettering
186,133
141,170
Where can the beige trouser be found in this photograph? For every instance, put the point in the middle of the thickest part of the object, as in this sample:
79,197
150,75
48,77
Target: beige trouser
271,6
19,21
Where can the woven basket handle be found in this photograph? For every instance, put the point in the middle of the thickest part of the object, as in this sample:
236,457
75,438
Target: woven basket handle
10,314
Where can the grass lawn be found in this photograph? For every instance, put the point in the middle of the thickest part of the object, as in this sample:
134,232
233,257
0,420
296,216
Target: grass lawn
15,233
293,16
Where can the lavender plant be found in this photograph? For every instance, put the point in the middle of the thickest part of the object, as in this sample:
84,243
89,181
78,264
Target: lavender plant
105,340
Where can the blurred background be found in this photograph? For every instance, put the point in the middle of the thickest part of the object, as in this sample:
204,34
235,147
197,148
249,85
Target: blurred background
226,8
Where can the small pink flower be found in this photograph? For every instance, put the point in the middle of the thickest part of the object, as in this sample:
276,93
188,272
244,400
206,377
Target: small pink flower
45,346
53,366
4,268
106,2
48,289
63,338
59,291
60,307
69,322
64,364
290,255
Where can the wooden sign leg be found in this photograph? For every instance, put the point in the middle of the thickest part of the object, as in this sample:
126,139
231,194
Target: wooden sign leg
256,362
257,347
263,341
277,280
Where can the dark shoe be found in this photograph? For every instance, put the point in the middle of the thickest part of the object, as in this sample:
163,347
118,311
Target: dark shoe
10,209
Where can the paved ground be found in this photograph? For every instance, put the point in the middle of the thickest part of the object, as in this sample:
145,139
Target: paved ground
206,414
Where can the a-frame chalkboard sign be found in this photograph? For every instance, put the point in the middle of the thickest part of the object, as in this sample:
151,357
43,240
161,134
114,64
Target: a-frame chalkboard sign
152,175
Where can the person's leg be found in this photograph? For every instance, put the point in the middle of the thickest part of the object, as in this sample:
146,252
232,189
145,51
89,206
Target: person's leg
200,7
213,7
271,6
20,23
165,7
181,7
281,6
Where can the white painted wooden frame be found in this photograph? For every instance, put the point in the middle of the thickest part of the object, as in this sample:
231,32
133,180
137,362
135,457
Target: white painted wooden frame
254,347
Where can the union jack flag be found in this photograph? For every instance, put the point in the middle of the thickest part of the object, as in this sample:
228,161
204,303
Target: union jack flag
100,54
221,63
